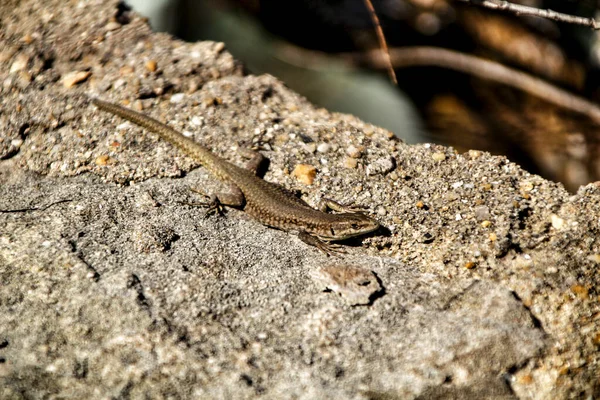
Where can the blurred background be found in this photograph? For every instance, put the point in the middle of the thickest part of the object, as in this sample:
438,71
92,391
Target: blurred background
321,49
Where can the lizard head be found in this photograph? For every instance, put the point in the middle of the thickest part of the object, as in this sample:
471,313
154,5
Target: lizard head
347,225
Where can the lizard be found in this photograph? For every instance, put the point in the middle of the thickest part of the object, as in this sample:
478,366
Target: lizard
268,203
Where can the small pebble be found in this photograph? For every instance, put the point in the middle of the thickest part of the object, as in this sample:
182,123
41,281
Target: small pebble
526,379
438,156
354,152
474,154
350,162
305,173
381,166
311,147
27,39
73,78
19,64
197,121
581,291
323,147
151,65
112,26
102,160
219,47
177,97
557,222
594,258
126,70
470,265
526,186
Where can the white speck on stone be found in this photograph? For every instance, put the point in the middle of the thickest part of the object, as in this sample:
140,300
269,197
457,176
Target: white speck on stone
16,142
187,133
123,126
557,222
456,185
19,64
458,217
323,147
427,145
527,256
353,151
195,54
7,83
46,243
197,121
177,98
469,186
118,83
112,26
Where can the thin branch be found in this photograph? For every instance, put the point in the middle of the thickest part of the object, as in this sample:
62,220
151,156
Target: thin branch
38,208
519,9
484,69
382,41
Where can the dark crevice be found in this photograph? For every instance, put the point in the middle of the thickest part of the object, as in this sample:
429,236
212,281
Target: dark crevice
136,284
536,322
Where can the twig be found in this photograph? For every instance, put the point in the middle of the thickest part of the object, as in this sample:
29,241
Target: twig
519,9
382,41
37,208
484,69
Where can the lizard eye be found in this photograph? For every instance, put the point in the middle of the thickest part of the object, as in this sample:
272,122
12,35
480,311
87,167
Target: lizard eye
354,226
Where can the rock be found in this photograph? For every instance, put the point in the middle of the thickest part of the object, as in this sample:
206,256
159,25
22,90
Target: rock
113,284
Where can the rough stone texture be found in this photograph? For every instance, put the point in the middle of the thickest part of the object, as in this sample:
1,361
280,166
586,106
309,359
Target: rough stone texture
112,285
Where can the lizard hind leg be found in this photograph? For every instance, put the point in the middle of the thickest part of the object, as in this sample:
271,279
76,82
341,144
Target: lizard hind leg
256,161
327,204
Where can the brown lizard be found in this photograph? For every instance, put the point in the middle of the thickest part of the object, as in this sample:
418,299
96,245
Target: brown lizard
268,203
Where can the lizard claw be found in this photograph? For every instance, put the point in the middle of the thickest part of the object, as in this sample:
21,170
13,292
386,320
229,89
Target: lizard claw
326,248
213,205
330,249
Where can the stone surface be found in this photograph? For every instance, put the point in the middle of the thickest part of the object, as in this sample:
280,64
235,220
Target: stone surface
112,285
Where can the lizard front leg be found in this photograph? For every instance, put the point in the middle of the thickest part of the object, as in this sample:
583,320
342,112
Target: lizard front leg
325,247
